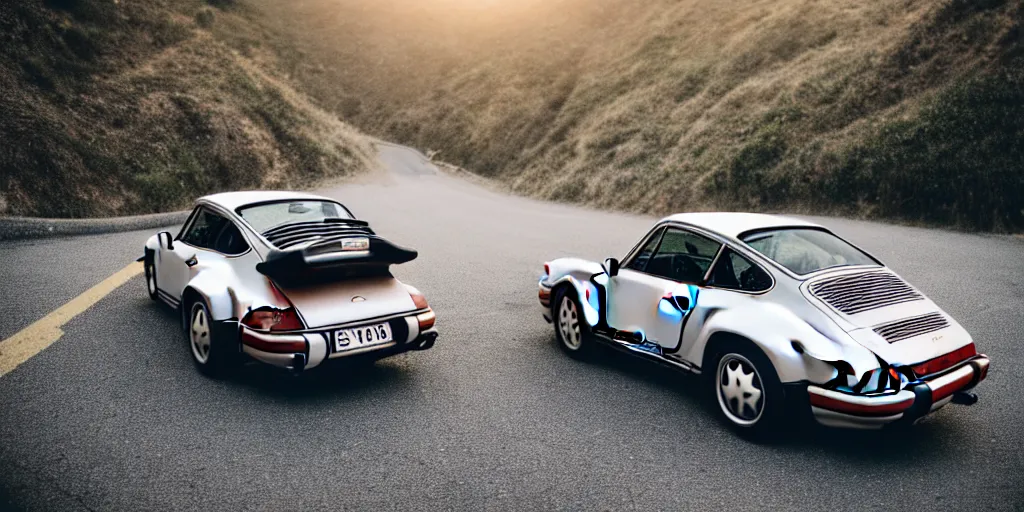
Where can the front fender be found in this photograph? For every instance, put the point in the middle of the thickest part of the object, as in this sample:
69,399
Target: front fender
577,273
586,292
774,328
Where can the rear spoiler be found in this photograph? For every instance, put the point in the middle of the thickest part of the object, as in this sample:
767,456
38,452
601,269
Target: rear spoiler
336,259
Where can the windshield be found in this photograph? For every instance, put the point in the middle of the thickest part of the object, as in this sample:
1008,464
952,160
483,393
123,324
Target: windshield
264,217
806,250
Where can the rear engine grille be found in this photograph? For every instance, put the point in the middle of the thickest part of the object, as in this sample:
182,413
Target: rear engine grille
290,235
861,292
910,327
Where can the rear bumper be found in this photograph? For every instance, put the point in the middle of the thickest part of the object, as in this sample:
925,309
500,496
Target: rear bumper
306,350
837,409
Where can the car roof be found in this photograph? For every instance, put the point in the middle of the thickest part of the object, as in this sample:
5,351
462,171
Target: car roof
733,224
234,200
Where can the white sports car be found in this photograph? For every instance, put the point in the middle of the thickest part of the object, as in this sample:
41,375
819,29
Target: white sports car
776,313
290,279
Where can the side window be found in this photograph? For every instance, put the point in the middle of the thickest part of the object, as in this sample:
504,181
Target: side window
230,241
639,262
206,226
683,257
737,273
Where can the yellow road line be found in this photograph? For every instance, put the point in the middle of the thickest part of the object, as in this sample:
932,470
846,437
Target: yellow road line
35,338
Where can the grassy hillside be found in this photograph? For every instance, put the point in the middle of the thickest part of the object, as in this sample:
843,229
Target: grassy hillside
122,106
910,109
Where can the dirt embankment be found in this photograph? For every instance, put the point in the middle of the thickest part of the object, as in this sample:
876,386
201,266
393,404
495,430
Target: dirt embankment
910,110
114,107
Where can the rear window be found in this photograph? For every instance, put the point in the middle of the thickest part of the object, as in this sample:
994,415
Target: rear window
804,250
263,217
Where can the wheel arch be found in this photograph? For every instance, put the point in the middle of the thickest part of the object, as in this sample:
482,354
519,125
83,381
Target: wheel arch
716,346
586,296
219,299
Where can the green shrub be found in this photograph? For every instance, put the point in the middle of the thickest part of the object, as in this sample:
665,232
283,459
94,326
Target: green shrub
38,72
80,43
167,32
85,10
205,18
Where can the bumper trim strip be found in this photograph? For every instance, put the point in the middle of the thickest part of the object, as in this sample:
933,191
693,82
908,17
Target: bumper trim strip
866,405
833,408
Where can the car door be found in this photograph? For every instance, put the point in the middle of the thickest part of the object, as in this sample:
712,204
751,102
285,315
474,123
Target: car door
672,261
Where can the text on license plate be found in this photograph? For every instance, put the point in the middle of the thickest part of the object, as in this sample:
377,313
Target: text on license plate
348,339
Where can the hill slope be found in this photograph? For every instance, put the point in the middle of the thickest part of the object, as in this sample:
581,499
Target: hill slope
119,107
910,110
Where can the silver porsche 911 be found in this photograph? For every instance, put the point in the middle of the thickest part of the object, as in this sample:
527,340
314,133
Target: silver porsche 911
779,314
287,278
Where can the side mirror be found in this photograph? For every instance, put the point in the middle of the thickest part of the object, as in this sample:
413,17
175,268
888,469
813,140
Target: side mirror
611,267
170,240
683,303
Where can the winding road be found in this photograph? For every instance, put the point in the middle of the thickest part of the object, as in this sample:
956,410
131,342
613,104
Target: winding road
112,416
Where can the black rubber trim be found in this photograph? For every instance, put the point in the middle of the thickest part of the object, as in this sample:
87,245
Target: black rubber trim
797,400
922,402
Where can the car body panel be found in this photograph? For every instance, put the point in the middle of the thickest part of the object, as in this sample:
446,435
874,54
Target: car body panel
339,302
630,296
577,273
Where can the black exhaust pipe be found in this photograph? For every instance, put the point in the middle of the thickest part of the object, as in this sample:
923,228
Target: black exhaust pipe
298,363
964,398
426,341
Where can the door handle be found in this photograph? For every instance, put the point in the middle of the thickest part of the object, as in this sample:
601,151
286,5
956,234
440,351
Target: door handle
191,262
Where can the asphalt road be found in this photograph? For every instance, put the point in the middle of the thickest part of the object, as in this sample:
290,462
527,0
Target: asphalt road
113,415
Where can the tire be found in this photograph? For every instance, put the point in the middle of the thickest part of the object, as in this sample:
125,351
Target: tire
210,354
571,329
747,391
150,269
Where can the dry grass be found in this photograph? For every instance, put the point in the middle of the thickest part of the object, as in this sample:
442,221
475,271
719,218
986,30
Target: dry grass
137,107
908,109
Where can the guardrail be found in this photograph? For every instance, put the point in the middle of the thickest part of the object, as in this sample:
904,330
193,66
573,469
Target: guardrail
21,228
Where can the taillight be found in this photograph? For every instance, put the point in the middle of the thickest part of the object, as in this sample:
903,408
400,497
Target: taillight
945,361
426,320
269,318
547,270
417,298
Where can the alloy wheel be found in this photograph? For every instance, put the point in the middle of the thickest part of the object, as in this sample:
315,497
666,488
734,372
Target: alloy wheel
151,279
739,389
569,323
199,333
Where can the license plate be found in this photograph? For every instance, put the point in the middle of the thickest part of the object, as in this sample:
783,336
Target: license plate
358,337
